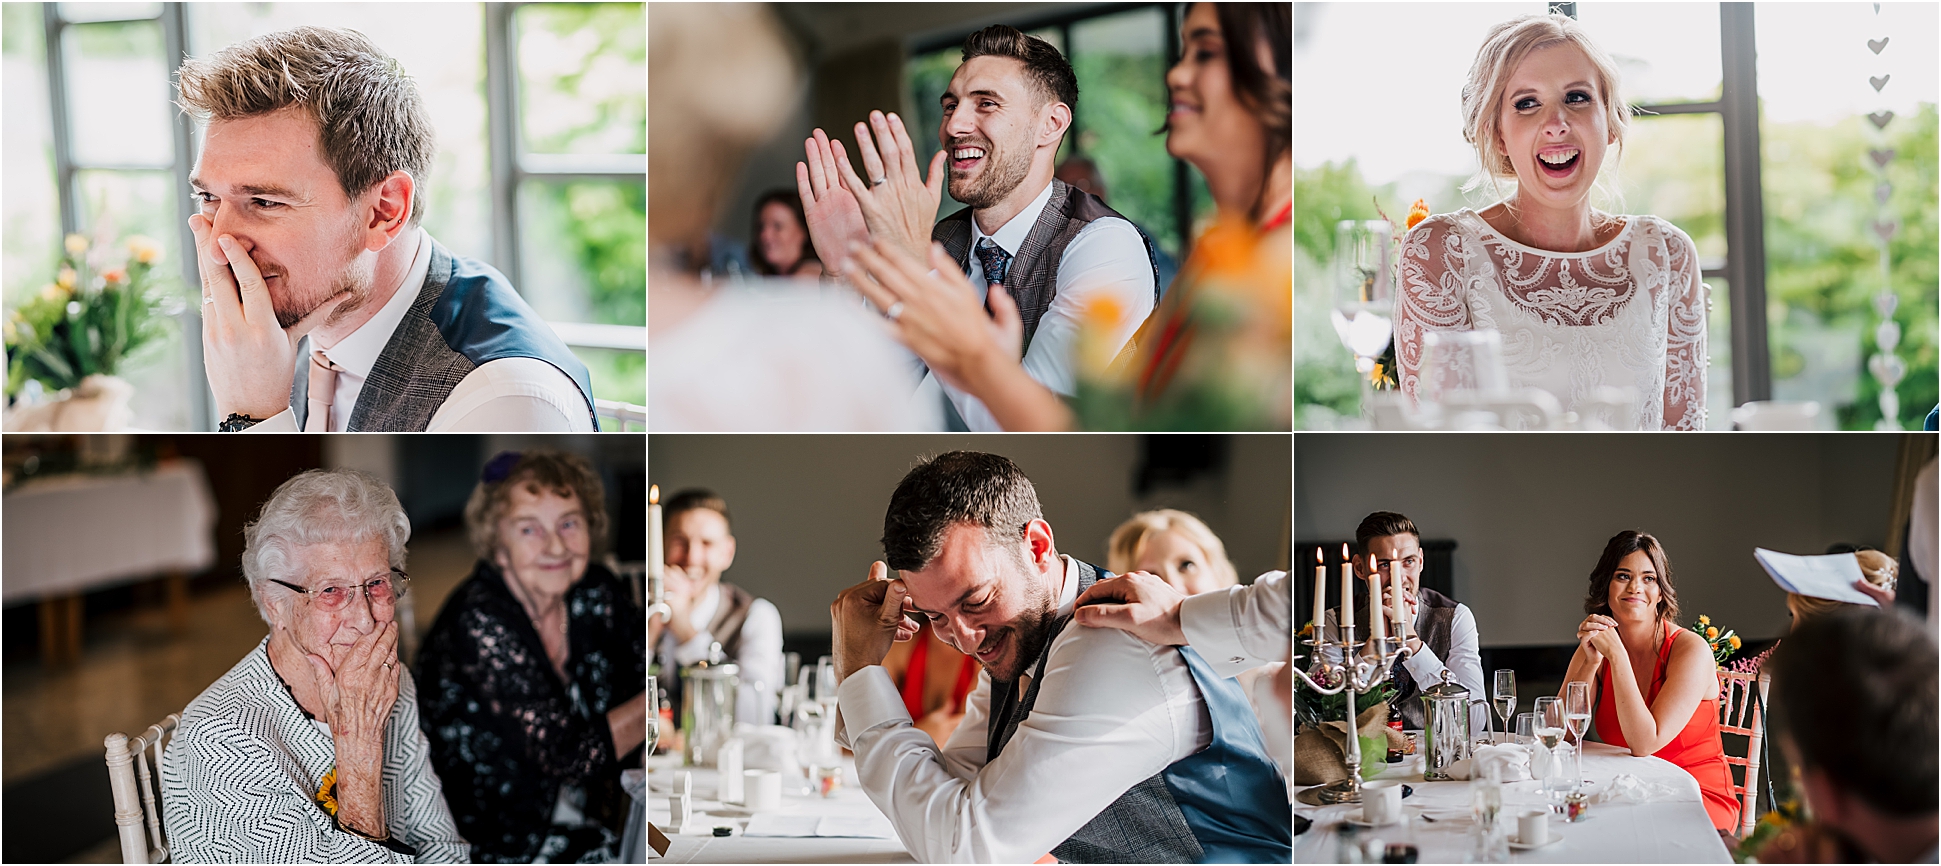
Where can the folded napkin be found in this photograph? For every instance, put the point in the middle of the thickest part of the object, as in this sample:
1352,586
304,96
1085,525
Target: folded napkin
1514,761
1627,788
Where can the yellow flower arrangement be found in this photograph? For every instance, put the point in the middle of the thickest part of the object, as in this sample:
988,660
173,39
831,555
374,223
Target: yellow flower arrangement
327,793
1711,633
66,279
76,244
1723,644
1704,620
144,249
1417,213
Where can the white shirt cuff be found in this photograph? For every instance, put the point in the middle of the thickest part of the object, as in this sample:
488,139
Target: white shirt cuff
1211,630
867,699
282,422
695,650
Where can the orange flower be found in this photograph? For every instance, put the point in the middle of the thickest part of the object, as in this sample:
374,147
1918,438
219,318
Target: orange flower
115,276
1418,212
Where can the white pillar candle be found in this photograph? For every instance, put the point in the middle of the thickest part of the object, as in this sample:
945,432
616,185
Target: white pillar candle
654,554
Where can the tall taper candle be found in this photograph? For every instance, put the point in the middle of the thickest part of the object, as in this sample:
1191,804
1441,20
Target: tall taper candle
1378,624
654,554
1320,591
1347,593
1401,606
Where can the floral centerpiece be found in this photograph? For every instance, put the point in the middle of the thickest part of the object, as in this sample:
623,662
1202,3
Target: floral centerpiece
1383,377
1723,643
96,314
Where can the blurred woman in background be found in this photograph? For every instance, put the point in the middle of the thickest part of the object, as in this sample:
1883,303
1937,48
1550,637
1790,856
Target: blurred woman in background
535,672
781,234
1173,545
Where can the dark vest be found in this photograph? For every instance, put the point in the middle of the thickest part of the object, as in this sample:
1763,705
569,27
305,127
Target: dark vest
724,628
1436,623
466,315
1033,278
1227,803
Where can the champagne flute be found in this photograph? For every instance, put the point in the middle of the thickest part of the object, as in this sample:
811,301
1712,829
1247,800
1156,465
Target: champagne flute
1577,714
1503,697
653,713
1550,733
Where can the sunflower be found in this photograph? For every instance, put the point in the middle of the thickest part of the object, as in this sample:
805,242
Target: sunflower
327,793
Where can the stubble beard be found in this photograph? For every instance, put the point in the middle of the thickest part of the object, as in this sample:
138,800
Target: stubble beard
354,276
1030,632
1005,171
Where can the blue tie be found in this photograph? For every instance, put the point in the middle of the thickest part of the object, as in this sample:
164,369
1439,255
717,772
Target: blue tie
996,262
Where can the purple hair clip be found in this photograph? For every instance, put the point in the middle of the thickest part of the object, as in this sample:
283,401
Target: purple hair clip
499,467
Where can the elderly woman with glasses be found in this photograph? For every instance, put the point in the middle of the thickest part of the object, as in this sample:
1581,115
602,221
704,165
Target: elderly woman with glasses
309,749
536,670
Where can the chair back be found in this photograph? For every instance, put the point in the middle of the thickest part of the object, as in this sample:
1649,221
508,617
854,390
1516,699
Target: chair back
616,416
137,790
1743,714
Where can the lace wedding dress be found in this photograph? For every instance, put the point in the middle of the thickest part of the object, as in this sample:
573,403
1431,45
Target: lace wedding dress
1627,315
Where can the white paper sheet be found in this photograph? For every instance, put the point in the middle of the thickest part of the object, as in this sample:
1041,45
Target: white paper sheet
1830,577
819,826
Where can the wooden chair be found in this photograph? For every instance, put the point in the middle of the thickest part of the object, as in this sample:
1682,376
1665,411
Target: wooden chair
1740,714
128,773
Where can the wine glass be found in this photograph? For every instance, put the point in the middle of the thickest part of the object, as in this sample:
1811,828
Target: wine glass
653,713
1550,734
1526,728
1577,715
1502,695
1364,300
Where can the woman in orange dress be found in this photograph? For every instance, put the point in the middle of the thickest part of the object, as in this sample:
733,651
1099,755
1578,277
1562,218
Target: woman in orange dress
1657,684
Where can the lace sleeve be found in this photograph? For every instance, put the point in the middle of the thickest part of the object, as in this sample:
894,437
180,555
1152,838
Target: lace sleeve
1685,346
1429,296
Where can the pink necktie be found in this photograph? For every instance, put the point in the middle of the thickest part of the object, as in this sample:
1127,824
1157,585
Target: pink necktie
323,387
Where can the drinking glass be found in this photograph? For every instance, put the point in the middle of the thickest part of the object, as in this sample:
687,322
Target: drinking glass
1502,695
1550,712
653,713
1526,728
825,678
1462,363
1577,716
1364,301
1486,805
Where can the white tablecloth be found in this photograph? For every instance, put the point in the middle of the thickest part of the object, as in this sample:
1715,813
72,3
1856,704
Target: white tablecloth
697,844
74,533
1670,830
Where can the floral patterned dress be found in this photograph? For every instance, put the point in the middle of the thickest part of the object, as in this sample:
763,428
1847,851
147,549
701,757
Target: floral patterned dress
1629,315
507,735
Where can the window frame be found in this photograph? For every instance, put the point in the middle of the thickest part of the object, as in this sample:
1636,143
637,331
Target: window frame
1063,21
1744,267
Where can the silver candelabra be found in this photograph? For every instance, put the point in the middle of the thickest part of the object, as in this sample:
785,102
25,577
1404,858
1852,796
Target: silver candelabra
1363,667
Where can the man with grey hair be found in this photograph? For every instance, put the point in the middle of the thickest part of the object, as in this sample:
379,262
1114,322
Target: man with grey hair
309,748
325,305
1089,744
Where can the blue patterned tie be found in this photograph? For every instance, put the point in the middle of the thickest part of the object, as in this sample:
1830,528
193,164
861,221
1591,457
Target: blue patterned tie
996,262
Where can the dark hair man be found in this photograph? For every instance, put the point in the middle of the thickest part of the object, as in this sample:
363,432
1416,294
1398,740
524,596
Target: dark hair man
1134,752
324,305
1854,709
1442,631
1054,250
700,545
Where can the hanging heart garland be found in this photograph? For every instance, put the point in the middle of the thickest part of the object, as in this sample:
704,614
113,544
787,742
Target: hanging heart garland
1882,157
1882,192
1885,228
1881,118
1878,81
1877,44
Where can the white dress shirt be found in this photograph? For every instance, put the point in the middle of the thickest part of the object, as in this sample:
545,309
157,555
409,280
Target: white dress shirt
1106,259
1240,627
1112,711
502,396
760,656
1465,662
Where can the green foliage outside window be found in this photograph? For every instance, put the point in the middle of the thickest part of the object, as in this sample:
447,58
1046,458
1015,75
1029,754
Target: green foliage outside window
1822,260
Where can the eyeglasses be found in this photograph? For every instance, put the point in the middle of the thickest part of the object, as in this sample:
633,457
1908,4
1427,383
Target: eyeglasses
382,590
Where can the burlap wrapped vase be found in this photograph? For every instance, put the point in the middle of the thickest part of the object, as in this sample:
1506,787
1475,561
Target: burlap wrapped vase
1319,753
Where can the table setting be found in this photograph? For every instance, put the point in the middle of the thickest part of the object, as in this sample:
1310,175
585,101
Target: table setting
1535,792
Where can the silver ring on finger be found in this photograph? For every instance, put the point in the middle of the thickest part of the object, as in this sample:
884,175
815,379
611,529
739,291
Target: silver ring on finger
894,311
387,666
208,299
878,181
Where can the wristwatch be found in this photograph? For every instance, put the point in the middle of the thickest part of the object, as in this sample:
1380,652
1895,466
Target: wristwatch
238,422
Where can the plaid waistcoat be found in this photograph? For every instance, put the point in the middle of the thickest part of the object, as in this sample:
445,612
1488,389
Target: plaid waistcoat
465,315
1033,277
1226,803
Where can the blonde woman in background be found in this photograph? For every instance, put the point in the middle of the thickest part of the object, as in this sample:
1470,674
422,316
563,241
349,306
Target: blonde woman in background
1881,573
1174,545
1584,300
